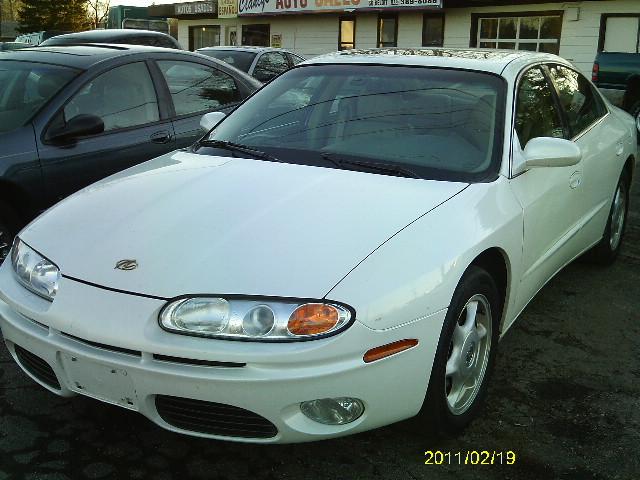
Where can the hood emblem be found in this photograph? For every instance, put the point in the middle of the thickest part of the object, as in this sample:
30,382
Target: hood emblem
126,265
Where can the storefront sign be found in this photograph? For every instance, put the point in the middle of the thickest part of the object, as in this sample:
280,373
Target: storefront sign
227,8
258,7
195,8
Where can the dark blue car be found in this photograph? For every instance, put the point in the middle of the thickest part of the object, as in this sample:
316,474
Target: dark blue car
71,115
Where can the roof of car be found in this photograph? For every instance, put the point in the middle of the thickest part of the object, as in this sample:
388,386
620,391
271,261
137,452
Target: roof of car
246,48
83,55
109,33
487,60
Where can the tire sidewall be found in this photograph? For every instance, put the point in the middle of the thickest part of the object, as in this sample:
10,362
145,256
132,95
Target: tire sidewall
474,281
606,239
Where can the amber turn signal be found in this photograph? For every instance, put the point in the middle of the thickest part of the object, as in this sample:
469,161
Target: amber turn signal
389,349
313,319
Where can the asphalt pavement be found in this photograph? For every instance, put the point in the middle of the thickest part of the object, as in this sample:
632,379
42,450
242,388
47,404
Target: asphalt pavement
564,403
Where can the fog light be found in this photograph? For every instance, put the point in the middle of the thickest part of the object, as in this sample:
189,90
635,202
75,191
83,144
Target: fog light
333,411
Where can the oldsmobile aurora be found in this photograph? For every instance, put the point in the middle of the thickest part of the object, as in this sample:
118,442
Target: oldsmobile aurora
341,252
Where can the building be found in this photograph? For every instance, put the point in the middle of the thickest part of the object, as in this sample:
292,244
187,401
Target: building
575,30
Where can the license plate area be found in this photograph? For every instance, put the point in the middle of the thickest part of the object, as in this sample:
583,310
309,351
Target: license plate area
107,383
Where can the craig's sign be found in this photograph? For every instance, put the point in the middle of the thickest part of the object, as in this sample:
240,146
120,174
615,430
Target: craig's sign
260,7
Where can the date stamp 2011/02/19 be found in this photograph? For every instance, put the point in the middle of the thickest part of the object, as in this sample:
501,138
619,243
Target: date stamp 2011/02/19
470,457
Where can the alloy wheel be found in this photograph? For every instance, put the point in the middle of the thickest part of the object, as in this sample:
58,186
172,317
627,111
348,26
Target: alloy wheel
618,215
5,243
469,353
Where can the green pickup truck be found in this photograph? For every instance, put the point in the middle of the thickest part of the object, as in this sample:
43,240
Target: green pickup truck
617,75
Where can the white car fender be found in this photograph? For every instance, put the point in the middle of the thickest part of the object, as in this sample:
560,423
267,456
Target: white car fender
415,273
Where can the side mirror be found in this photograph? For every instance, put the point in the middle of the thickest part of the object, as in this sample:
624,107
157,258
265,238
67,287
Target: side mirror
79,126
551,152
210,120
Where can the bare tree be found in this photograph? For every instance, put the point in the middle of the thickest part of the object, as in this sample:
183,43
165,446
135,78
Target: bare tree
98,11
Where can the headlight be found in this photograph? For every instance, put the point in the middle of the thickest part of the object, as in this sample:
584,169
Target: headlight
34,271
252,318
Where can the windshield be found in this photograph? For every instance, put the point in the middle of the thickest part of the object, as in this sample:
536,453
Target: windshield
239,59
25,87
438,123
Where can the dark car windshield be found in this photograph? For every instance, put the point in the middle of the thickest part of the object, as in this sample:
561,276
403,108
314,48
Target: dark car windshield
239,59
25,87
438,123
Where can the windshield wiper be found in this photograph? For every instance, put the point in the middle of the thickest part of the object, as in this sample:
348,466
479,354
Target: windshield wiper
237,147
376,166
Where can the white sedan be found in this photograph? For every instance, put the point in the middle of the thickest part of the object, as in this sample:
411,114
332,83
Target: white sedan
342,252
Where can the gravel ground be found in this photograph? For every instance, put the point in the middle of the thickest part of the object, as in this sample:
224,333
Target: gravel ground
564,397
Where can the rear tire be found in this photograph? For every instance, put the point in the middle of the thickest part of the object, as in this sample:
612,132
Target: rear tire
8,230
608,249
465,355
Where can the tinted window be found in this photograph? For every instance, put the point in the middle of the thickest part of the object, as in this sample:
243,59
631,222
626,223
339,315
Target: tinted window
536,112
578,98
239,59
25,88
123,97
444,124
270,65
197,88
295,60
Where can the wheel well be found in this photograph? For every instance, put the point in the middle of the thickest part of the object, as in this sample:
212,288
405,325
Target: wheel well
632,93
16,198
629,168
494,261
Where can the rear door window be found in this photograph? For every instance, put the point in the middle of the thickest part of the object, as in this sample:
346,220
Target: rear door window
580,101
198,88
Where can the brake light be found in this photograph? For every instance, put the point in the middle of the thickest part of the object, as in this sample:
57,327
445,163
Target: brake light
595,75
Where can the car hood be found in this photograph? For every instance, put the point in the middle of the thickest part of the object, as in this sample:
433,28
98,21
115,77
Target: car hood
204,224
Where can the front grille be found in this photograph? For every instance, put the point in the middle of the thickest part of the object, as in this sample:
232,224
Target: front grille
213,418
37,367
200,363
102,346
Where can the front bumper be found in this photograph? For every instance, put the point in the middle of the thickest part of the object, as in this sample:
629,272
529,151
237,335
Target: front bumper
108,345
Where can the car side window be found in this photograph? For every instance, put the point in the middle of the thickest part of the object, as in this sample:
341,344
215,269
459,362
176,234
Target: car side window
581,103
295,60
198,88
270,65
122,97
537,114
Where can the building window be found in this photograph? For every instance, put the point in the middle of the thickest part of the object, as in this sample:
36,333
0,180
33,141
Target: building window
536,32
388,30
346,33
432,30
619,33
257,35
204,36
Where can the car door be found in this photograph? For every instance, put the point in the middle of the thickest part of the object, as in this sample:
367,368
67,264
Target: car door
269,66
549,196
196,89
601,139
124,98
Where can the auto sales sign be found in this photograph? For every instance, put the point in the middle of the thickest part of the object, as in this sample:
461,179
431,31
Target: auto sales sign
270,7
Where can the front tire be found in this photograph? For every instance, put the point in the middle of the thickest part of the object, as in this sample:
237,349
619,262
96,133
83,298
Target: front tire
608,249
465,355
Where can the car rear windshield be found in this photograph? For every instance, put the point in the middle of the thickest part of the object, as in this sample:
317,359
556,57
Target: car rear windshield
438,123
239,59
25,87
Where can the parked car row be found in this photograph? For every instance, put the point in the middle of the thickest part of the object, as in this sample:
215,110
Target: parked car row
71,115
341,251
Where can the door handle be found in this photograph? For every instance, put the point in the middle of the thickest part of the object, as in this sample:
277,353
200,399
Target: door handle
163,136
575,180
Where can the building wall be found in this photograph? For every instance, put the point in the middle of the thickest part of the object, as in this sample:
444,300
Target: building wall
314,34
579,41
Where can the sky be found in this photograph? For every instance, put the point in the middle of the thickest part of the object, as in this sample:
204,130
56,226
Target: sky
140,3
